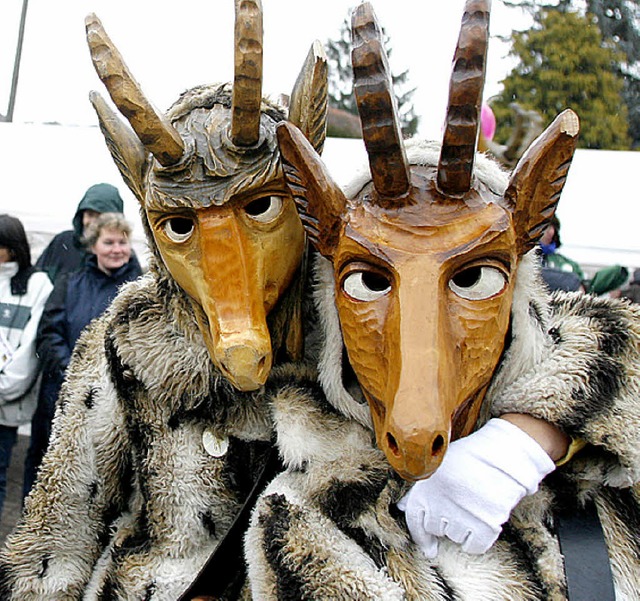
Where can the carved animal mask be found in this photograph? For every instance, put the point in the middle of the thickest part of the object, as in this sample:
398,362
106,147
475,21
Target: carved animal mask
425,250
214,202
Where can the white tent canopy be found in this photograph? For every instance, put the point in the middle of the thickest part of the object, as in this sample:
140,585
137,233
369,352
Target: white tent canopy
45,170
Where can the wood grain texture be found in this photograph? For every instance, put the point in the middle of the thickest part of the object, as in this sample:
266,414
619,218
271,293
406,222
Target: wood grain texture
320,202
465,99
539,177
247,81
127,151
424,281
308,106
373,89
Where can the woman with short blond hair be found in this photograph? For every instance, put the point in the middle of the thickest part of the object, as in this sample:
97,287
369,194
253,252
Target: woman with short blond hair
77,299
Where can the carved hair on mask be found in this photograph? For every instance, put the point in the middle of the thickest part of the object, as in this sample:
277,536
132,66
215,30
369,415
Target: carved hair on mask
425,251
207,174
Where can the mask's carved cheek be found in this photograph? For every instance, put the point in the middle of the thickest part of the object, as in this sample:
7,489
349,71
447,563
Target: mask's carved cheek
364,329
280,245
177,237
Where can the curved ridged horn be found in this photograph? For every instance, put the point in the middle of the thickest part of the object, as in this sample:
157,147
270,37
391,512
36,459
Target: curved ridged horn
376,104
465,99
159,137
247,81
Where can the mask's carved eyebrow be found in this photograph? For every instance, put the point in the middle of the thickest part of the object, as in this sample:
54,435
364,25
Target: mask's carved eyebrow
195,195
357,243
483,236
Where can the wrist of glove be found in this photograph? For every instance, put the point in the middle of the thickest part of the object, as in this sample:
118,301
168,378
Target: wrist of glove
481,479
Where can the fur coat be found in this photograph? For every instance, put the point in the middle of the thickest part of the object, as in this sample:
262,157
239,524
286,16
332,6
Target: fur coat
140,503
327,528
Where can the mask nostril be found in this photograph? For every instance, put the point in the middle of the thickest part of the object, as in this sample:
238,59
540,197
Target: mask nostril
393,445
437,446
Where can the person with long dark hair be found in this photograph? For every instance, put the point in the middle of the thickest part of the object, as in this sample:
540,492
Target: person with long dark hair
23,293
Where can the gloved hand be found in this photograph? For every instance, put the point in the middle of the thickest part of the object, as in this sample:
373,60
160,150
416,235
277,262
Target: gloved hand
471,495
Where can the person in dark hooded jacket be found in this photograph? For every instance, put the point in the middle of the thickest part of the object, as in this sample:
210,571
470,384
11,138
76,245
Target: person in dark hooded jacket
77,298
66,252
632,291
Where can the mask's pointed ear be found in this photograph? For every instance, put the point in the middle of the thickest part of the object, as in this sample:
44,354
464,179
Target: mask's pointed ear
320,201
308,106
539,177
127,151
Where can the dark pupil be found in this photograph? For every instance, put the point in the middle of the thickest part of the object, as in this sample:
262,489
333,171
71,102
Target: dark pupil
181,226
259,206
374,281
468,277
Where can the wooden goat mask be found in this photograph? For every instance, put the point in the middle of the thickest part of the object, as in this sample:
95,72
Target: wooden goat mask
214,202
425,252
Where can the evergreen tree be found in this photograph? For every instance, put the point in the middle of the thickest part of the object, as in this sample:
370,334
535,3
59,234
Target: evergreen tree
562,63
341,94
619,23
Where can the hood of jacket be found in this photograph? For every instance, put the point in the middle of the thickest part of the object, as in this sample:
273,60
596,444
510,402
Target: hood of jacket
102,198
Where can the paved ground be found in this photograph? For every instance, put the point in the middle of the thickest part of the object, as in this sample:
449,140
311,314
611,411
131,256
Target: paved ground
13,502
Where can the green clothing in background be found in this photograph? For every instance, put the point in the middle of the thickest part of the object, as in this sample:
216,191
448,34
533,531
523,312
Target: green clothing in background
608,279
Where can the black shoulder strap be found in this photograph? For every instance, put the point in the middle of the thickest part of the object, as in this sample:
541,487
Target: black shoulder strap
223,575
586,559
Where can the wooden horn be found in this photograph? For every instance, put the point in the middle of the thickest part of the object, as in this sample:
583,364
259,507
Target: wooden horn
247,82
376,104
465,98
159,137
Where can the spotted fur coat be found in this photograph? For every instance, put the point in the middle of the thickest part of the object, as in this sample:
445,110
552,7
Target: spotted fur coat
139,504
327,527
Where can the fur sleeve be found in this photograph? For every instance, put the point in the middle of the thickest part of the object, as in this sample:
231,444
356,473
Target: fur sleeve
588,383
52,551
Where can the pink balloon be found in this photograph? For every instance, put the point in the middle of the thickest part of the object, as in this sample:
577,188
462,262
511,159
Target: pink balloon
487,121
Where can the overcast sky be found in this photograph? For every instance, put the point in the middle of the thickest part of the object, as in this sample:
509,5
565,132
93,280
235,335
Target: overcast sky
171,46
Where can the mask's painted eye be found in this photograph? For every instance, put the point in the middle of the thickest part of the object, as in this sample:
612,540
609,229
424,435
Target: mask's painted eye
178,229
366,285
264,209
478,283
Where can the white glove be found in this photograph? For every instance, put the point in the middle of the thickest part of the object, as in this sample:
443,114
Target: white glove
481,479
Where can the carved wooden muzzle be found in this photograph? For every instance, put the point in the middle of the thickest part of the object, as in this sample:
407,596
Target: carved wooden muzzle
425,254
210,182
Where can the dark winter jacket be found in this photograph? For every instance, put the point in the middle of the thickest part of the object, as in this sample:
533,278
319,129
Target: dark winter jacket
559,272
77,299
632,292
65,253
